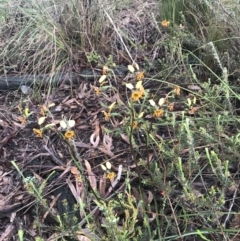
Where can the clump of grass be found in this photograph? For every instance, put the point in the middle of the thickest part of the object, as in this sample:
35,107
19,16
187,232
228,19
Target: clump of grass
49,36
203,23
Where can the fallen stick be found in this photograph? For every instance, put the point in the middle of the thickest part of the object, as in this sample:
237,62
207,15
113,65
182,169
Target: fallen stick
13,82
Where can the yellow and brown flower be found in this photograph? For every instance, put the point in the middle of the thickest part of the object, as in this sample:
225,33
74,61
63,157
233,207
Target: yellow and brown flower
111,176
158,113
139,76
134,125
69,135
38,132
136,95
171,107
177,90
165,23
107,115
